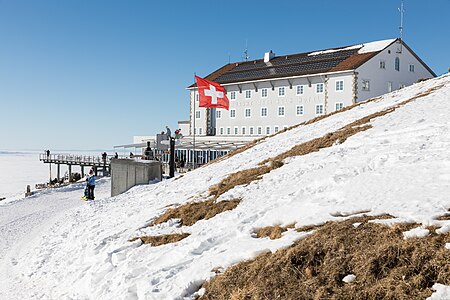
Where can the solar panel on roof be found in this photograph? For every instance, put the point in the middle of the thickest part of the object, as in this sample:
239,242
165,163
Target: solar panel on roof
278,70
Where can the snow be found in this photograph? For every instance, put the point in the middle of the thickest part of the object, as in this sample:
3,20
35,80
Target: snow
54,246
416,233
349,278
363,48
375,46
442,292
447,246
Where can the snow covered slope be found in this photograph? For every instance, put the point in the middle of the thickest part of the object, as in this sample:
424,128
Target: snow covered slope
400,166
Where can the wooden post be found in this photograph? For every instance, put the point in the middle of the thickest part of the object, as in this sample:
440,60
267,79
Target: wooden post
70,173
58,171
82,171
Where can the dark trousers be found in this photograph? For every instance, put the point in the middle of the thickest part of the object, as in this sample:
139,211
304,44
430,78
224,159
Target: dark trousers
91,191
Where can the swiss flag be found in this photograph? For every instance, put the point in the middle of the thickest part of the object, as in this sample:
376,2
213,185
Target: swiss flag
211,94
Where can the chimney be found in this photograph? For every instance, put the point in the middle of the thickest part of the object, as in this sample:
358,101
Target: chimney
268,56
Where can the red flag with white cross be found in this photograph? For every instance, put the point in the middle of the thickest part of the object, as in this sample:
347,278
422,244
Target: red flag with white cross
211,94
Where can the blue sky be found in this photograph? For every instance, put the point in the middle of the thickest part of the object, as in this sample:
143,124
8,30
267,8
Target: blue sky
90,74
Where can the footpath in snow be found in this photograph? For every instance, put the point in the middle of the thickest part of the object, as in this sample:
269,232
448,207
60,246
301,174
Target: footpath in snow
400,166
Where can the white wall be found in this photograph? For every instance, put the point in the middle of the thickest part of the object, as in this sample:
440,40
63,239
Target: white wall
379,78
274,101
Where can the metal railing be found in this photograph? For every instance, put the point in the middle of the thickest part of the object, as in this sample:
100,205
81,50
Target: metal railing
75,159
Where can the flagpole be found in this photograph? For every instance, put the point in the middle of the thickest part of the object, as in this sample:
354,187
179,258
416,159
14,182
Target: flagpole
194,116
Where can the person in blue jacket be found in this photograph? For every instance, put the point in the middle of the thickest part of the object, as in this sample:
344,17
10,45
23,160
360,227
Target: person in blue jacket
91,184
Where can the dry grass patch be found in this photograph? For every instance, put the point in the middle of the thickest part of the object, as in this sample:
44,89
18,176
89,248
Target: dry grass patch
242,177
192,212
443,217
158,240
272,232
386,266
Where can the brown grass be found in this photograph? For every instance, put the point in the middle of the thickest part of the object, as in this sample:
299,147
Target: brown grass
386,266
242,177
158,240
272,232
190,213
443,217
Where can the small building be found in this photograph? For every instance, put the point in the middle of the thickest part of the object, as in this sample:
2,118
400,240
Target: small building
274,92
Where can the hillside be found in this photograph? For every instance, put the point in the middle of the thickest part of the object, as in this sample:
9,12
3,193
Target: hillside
385,162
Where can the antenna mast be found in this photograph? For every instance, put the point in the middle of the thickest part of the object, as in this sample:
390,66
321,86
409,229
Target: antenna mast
402,11
246,57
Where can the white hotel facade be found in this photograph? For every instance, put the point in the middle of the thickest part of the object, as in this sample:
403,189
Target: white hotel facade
269,94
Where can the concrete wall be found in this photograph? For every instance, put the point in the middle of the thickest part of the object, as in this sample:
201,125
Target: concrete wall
126,173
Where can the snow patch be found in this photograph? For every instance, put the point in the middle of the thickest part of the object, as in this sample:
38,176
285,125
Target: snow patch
349,278
417,232
441,292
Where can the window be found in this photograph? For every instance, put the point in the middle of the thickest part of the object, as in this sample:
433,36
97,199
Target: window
243,130
319,88
197,114
382,64
300,89
339,85
275,129
264,93
221,130
281,91
281,111
236,130
218,114
197,96
300,110
268,130
319,109
233,95
401,85
232,113
248,94
365,85
263,111
228,130
252,131
195,130
260,130
248,112
339,105
200,130
411,68
397,64
389,86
